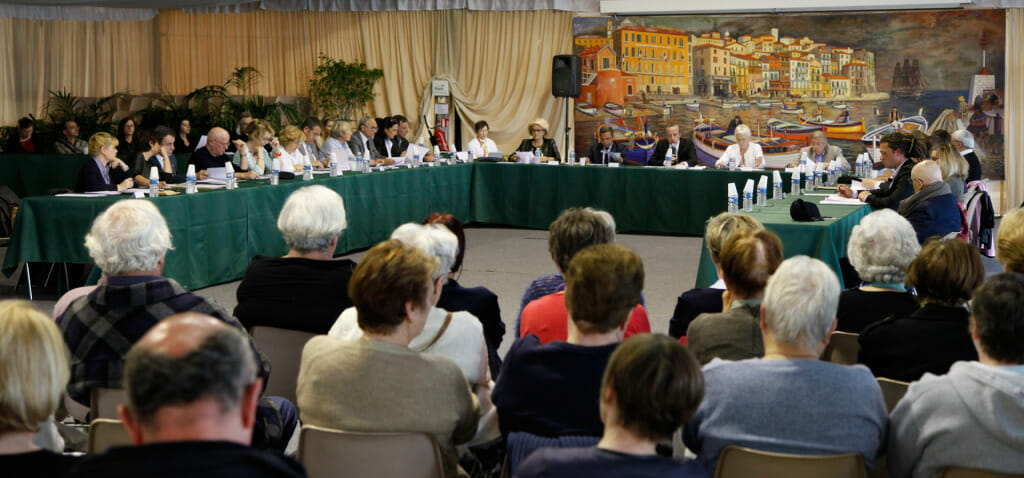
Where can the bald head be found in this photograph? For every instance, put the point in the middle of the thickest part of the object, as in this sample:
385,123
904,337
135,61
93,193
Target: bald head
925,173
180,334
217,141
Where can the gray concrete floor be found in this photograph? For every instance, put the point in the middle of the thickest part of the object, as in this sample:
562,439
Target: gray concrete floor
506,260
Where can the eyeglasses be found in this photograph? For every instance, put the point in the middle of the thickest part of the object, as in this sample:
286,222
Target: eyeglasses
267,139
535,130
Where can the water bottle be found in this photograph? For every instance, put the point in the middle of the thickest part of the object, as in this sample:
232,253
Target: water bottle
366,160
537,155
572,156
762,195
733,203
154,182
190,179
777,190
307,169
748,201
794,190
732,162
229,176
668,157
817,180
275,169
332,163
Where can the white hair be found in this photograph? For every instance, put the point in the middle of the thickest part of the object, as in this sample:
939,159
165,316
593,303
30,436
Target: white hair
965,137
311,218
607,219
882,246
434,240
130,236
800,302
742,130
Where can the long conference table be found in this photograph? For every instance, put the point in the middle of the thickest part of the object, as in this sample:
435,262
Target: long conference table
216,233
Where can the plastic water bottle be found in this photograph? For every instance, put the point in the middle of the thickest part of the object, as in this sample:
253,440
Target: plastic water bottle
777,190
817,180
762,195
229,176
668,157
307,169
366,160
537,155
190,179
748,201
332,163
732,162
794,190
572,156
154,182
733,203
275,170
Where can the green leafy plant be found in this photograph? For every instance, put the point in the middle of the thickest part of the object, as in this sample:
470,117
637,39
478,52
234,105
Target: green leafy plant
244,79
92,118
339,89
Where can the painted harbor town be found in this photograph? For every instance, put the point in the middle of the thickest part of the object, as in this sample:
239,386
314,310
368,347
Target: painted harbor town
854,77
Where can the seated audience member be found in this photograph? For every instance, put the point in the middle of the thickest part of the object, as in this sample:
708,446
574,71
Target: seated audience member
286,150
880,249
748,154
251,155
214,154
362,140
963,140
682,149
650,388
481,146
191,391
69,142
311,130
573,230
748,259
386,140
153,146
538,129
337,142
549,390
605,150
973,416
182,143
932,210
940,137
479,301
697,301
26,141
896,149
1010,241
33,371
790,401
306,279
954,169
126,138
379,384
933,337
105,172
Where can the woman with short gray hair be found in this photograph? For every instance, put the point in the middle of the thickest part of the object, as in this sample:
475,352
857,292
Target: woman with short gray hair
880,249
306,289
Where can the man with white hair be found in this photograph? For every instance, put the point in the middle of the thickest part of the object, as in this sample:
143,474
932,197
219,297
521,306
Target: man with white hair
821,152
964,142
306,278
789,401
362,140
932,210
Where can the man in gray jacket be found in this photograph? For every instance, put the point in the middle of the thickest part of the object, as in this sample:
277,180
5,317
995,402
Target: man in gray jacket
972,417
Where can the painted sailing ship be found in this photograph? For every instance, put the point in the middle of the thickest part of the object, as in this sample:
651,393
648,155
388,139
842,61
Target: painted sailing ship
907,80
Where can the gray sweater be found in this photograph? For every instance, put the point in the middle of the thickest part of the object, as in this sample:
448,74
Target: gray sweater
799,406
971,417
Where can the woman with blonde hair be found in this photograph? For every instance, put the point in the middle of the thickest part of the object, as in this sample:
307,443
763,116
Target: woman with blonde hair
287,149
105,172
250,154
538,129
954,169
33,373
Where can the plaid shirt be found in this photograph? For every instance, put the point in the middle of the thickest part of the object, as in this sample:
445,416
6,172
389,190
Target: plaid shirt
100,327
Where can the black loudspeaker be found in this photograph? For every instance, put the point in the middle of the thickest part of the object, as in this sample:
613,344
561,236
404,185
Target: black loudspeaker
566,76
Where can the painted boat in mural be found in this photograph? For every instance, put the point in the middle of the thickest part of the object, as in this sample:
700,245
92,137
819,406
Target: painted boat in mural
735,105
839,105
946,120
904,124
788,129
765,105
786,110
848,130
791,104
663,109
692,105
711,141
586,108
614,109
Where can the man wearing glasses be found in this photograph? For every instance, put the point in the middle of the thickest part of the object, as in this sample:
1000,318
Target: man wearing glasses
363,139
214,154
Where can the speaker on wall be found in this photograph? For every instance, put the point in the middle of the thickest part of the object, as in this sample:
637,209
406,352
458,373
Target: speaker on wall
566,76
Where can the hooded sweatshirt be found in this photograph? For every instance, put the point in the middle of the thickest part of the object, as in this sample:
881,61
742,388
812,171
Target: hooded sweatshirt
972,417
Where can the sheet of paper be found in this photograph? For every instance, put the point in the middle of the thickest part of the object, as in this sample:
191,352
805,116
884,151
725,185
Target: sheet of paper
213,180
462,155
217,173
525,157
76,195
201,142
102,193
211,186
837,199
415,149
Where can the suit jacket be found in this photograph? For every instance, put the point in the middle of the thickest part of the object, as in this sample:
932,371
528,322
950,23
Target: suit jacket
932,211
686,152
730,335
380,145
691,304
831,152
897,189
355,144
549,148
595,152
90,178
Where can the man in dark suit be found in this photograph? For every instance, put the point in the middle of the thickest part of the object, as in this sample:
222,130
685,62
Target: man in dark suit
403,134
893,149
932,210
964,142
601,152
682,149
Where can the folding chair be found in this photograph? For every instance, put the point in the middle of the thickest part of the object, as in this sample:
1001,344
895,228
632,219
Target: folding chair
892,391
105,433
330,453
283,349
739,462
958,472
104,401
842,348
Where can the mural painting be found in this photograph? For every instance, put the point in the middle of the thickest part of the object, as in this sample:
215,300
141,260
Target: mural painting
853,76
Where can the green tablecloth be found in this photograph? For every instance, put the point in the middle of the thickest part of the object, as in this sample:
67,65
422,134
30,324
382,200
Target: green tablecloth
35,174
216,233
825,240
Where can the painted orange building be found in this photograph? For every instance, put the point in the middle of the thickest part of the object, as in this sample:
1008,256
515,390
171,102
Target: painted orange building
711,70
590,41
658,58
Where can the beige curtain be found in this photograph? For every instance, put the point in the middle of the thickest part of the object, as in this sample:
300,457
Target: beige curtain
86,58
1013,190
